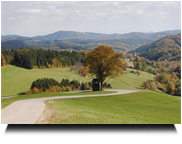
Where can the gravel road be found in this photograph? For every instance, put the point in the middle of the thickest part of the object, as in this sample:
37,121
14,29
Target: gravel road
29,110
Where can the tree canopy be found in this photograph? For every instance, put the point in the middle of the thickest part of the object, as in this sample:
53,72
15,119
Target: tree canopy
103,62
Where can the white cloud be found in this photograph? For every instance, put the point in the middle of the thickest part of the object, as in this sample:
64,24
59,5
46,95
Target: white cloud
116,3
28,11
101,14
120,17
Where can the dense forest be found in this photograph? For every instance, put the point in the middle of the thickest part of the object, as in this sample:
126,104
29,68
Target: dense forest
39,58
167,48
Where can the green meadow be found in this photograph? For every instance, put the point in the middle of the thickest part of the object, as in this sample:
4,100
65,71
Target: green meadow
146,107
16,80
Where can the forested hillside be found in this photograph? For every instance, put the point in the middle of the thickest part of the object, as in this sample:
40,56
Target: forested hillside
120,45
167,48
30,58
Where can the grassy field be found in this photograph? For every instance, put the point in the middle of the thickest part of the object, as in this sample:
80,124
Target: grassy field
130,81
15,80
145,107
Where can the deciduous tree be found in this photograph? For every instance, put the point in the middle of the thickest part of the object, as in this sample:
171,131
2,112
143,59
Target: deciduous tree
3,60
103,62
170,88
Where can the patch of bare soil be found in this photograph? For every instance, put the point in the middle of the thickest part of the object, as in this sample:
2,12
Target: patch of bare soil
47,114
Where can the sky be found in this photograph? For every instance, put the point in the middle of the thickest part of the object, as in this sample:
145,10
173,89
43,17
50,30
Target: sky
33,18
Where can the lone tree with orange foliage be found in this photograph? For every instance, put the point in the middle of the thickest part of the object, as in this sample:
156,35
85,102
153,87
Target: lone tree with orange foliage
103,62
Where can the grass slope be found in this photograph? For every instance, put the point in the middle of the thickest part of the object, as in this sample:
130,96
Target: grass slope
16,80
131,81
145,107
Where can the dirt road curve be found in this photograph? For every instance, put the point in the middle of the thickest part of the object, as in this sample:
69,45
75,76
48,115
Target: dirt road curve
28,111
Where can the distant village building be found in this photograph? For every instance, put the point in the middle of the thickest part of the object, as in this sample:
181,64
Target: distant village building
135,54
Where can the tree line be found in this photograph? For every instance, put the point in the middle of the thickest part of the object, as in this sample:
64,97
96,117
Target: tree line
143,64
168,83
168,75
39,58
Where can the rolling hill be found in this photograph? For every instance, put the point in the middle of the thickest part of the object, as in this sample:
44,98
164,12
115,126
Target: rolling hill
168,47
63,35
83,41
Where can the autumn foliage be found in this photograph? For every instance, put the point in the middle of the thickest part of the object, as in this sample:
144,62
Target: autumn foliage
168,83
83,71
170,88
3,60
103,62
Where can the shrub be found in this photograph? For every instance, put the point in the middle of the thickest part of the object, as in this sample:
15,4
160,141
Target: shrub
132,71
64,89
145,84
153,86
170,88
87,86
137,72
54,90
157,77
177,91
161,87
68,88
35,90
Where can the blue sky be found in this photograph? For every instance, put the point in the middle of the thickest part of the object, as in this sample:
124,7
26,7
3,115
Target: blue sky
41,18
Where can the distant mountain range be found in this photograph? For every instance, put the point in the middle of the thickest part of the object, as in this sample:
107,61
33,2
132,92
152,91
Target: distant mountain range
64,35
166,48
85,41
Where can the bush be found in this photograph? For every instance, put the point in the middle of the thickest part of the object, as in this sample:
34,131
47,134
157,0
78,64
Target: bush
153,86
137,72
145,84
170,88
161,87
149,85
132,71
68,88
177,91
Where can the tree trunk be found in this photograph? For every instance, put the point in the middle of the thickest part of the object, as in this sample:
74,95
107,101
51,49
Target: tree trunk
101,86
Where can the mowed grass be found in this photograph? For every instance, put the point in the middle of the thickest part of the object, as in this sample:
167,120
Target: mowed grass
146,107
16,80
130,81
